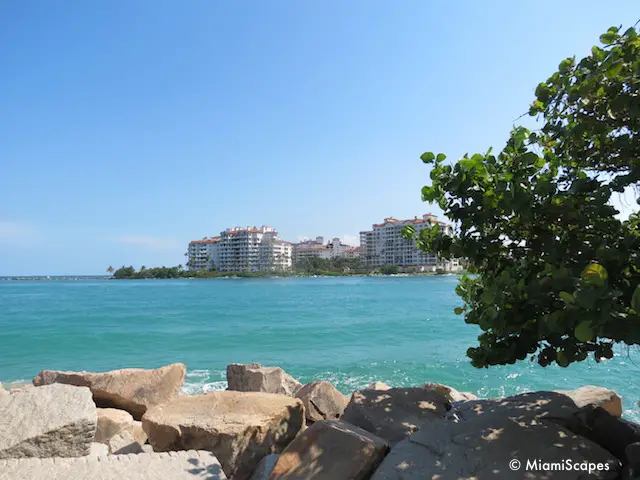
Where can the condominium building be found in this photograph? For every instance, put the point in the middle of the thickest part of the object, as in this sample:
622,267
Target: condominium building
351,252
384,245
309,248
316,248
237,249
203,254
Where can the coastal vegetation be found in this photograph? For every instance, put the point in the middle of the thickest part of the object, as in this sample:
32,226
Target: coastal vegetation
557,270
311,266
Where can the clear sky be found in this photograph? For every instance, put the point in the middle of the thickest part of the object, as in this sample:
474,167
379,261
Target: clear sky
128,128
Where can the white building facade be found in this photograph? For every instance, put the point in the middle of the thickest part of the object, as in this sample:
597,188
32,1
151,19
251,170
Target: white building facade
203,254
240,249
316,248
384,245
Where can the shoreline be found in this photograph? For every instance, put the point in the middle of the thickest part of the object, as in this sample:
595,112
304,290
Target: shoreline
27,278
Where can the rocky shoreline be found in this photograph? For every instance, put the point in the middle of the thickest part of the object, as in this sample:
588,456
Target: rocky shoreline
136,423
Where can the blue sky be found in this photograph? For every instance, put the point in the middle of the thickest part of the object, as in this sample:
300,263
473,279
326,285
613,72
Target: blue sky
130,128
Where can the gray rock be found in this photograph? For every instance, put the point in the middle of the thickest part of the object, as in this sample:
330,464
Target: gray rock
396,413
112,421
52,421
526,405
98,450
239,427
330,450
598,425
485,436
322,401
597,397
190,465
264,468
253,377
631,469
124,443
130,389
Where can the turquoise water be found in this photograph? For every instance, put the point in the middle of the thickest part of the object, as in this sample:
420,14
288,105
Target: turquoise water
349,330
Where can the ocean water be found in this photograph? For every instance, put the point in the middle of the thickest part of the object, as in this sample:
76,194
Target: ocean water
349,330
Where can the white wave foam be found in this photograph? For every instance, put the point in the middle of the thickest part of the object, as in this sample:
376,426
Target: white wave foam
203,381
199,388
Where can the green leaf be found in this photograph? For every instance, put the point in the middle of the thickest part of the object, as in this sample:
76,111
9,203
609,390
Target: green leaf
565,65
567,298
427,157
562,360
584,331
614,70
542,92
608,38
458,310
635,299
440,158
595,274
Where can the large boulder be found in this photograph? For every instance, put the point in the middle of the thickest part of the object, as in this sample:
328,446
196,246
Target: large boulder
238,427
598,425
253,377
479,438
492,446
596,396
396,413
264,468
146,466
377,386
322,401
123,444
526,405
130,389
98,450
52,421
330,450
450,393
112,422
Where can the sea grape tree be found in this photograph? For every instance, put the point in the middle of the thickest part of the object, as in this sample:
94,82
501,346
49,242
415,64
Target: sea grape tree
556,273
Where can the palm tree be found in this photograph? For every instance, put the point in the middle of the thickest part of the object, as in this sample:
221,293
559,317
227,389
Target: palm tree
110,270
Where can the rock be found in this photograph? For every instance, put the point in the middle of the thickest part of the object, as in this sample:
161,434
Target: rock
598,425
264,468
238,427
631,469
112,421
396,413
377,386
322,401
146,466
596,396
330,450
526,405
20,388
450,393
98,450
52,421
253,377
124,443
147,448
130,389
485,435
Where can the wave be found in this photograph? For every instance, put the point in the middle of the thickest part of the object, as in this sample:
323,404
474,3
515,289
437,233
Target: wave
202,381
